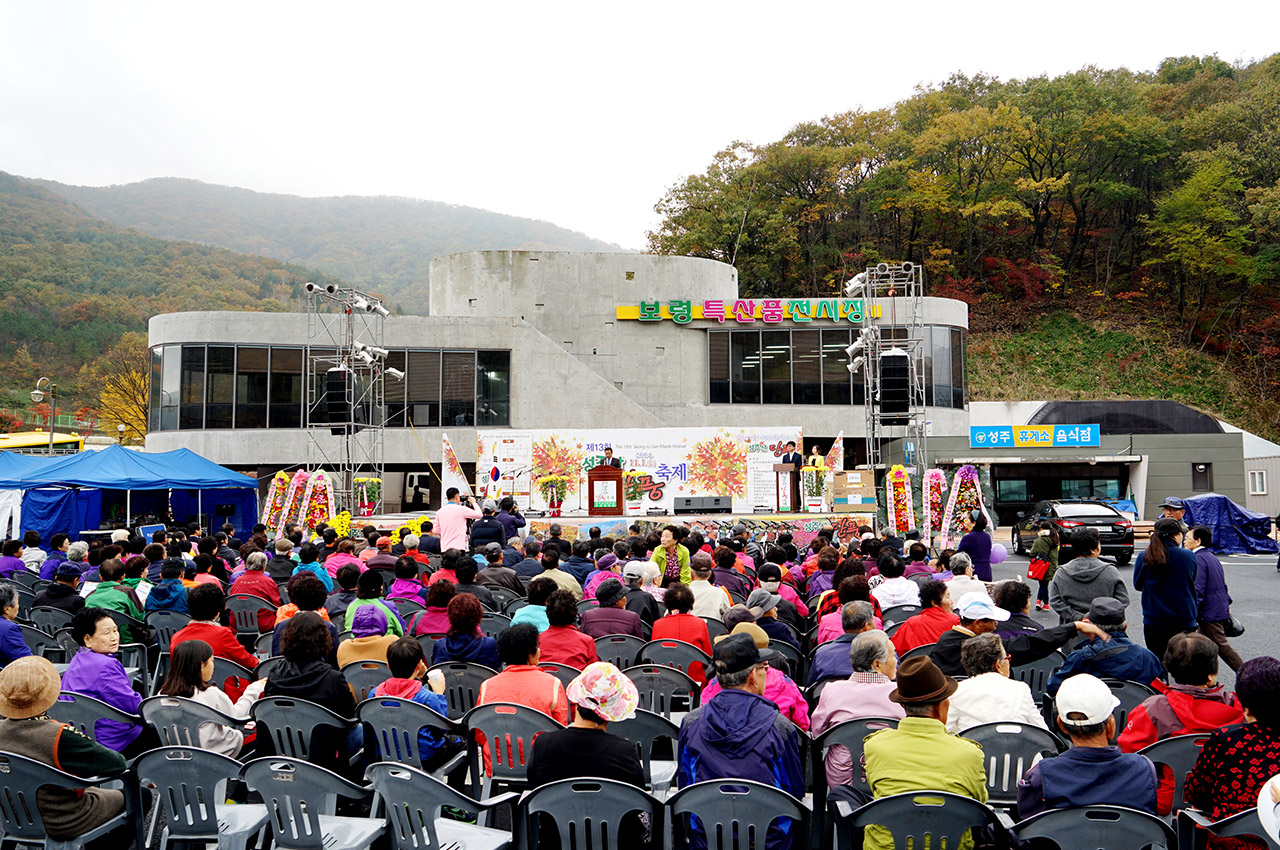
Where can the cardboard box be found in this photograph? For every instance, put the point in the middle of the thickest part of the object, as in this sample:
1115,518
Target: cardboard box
853,492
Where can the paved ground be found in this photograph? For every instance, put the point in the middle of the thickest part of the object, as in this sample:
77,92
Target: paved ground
1252,580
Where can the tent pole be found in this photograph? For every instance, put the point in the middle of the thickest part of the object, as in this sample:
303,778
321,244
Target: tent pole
200,508
128,507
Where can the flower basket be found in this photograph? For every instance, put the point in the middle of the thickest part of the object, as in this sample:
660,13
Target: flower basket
552,488
813,488
902,514
632,492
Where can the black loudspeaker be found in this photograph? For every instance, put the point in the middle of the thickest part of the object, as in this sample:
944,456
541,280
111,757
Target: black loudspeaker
337,394
895,387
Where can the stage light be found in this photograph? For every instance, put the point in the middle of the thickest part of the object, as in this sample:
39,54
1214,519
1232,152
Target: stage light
856,363
331,288
380,353
365,358
312,286
360,304
856,284
396,373
857,346
380,310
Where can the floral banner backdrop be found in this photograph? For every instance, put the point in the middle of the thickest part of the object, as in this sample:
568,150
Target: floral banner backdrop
902,512
931,504
966,496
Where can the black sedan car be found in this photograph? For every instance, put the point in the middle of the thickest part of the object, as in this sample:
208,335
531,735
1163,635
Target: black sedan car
1114,531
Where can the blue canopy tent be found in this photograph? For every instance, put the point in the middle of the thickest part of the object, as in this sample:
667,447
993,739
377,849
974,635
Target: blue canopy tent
14,466
1236,530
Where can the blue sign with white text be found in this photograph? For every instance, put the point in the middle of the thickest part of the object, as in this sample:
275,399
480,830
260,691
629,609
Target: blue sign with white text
1034,436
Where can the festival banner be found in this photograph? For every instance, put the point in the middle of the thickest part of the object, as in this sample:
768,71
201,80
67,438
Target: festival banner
668,462
452,470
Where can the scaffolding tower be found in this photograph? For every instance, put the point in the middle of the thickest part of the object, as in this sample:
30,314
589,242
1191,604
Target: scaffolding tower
345,379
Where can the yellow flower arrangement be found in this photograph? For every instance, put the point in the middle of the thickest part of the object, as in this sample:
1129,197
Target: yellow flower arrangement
414,525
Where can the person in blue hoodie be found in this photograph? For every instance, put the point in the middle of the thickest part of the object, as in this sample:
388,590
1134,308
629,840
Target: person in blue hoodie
464,641
170,594
1113,657
58,544
739,734
1166,575
408,665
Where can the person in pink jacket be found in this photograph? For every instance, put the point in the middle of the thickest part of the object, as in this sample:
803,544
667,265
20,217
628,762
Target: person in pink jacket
778,688
342,556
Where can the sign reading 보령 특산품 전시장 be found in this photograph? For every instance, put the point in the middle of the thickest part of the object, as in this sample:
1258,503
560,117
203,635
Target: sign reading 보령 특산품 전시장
1033,436
744,312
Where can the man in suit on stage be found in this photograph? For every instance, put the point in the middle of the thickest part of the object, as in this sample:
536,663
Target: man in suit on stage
792,456
610,460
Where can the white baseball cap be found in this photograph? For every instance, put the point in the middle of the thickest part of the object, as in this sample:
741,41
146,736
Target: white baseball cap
976,605
1087,695
1268,809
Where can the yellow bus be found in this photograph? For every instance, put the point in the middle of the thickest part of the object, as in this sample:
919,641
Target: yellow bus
37,443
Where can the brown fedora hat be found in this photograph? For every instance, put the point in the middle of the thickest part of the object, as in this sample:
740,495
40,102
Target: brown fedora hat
28,687
921,682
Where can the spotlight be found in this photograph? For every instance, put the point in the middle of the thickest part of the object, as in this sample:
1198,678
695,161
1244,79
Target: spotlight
380,310
331,288
396,373
856,364
856,284
908,266
857,346
377,352
360,304
365,358
312,286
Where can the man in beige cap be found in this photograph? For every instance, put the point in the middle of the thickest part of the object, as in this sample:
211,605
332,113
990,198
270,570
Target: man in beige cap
28,687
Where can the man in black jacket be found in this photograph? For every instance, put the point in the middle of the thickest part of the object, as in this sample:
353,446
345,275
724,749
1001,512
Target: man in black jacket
531,566
639,601
281,566
62,593
487,529
579,564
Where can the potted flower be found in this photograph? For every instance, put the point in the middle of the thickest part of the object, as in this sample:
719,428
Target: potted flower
813,488
552,488
632,491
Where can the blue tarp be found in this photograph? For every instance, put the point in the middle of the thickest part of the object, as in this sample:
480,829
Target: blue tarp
13,466
242,504
1236,530
50,510
118,468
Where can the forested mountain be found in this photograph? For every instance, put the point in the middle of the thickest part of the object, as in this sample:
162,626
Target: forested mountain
71,285
380,244
1138,198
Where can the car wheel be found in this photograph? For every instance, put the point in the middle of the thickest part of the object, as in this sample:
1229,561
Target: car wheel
1017,542
1123,558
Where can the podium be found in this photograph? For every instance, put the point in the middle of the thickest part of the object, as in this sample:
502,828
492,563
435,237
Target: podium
786,488
604,491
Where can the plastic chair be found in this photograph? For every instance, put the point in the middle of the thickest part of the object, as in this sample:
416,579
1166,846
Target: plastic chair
39,641
663,689
566,673
795,661
1036,673
670,652
166,624
1179,755
618,650
1243,823
588,813
733,812
462,681
943,818
514,605
1131,695
506,731
26,599
137,629
82,713
428,644
492,624
23,578
1097,826
407,607
225,668
898,613
1008,751
301,798
917,652
715,628
414,799
265,666
393,724
502,595
48,619
262,647
133,657
190,783
644,730
364,676
67,642
291,727
345,636
177,720
20,781
851,734
244,610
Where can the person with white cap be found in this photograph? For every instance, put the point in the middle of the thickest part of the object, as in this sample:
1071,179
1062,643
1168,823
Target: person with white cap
639,600
764,607
709,600
1094,771
978,616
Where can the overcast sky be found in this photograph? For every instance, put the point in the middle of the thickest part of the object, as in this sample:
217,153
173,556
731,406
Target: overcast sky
579,114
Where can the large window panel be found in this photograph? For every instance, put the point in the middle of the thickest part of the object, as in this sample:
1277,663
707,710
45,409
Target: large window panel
775,359
153,389
836,378
718,366
191,400
321,361
941,367
458,388
170,387
286,388
806,367
959,390
252,380
394,389
926,349
423,389
744,366
220,388
493,387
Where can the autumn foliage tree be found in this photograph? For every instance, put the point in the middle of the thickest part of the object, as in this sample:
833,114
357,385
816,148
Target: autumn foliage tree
121,378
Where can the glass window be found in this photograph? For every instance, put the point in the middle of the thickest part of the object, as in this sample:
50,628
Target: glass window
220,387
458,388
959,389
744,363
806,367
1012,490
718,358
836,378
775,358
153,416
393,389
191,396
926,353
320,361
423,389
251,387
1257,482
286,388
493,387
941,374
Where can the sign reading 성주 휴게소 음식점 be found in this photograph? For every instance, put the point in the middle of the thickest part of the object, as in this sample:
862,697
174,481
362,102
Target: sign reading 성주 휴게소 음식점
658,464
1033,436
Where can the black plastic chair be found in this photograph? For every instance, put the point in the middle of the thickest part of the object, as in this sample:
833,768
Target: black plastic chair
23,578
345,636
48,619
795,661
190,783
462,681
364,677
588,813
715,628
177,720
942,818
1131,695
917,652
644,730
301,799
225,669
898,613
1097,826
663,689
244,610
413,801
1179,755
505,731
408,607
166,624
587,605
735,813
262,647
131,630
513,606
291,727
21,780
82,713
26,599
428,644
502,595
492,624
393,724
1241,824
1036,673
673,653
1008,751
41,642
851,735
618,650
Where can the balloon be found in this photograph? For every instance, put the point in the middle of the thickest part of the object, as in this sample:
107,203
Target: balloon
998,553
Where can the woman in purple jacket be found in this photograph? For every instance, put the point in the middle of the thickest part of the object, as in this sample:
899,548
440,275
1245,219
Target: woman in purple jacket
1213,601
95,671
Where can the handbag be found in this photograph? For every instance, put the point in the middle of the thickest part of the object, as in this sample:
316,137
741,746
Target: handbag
1039,569
1232,627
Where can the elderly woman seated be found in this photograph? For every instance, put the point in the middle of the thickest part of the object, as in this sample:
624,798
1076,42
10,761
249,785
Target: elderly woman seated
989,695
864,694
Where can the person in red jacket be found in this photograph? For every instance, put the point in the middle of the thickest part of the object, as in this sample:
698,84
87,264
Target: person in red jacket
679,624
934,619
206,604
562,642
1194,703
255,582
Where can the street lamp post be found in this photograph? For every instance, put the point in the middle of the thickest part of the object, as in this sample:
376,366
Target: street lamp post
37,396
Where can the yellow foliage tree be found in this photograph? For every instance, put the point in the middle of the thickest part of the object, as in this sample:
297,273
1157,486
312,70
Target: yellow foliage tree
121,376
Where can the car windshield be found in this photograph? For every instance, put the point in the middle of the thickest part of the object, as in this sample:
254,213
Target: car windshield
1093,510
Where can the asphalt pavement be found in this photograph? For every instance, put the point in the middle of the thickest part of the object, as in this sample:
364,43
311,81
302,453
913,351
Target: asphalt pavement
1252,581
